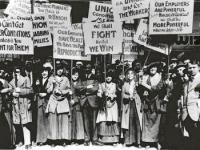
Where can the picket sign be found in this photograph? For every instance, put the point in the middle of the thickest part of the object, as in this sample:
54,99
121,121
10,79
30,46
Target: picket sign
141,37
130,9
16,37
69,44
171,16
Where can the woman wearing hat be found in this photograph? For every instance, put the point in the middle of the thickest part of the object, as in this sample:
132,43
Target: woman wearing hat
22,114
58,110
77,116
107,118
131,105
43,91
152,90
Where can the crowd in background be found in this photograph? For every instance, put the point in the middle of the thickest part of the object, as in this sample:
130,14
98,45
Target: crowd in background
155,105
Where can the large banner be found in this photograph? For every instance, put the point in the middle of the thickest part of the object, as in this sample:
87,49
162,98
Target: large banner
130,9
171,16
103,38
141,37
100,12
16,37
68,43
18,8
42,36
129,46
58,15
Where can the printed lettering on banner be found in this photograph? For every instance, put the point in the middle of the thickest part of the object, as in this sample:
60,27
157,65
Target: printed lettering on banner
58,15
41,31
129,46
103,38
171,16
130,9
141,37
68,43
16,37
100,12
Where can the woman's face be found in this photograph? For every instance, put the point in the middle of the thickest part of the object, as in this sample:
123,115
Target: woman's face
75,76
45,74
108,79
153,70
59,72
130,75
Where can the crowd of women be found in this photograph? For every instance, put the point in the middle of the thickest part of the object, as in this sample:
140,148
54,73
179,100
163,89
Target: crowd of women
133,105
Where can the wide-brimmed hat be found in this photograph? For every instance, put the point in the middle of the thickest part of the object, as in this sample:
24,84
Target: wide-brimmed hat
180,64
154,64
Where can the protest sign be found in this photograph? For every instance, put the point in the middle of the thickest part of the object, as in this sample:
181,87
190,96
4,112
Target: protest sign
68,43
129,46
171,16
100,12
130,9
41,34
58,15
141,37
18,8
16,37
103,38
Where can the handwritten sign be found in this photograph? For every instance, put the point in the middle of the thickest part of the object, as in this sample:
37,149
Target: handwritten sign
141,37
100,12
16,37
42,36
171,16
130,9
58,15
68,43
103,38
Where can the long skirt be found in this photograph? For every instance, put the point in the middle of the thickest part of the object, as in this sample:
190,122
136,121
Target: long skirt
42,125
108,132
59,126
77,125
151,125
133,134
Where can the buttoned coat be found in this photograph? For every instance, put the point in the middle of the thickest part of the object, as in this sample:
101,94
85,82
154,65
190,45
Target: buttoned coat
24,106
192,99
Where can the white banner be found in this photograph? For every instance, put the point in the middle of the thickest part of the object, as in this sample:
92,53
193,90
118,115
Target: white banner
18,8
41,34
130,9
16,37
100,12
130,47
141,37
171,16
68,43
58,15
103,38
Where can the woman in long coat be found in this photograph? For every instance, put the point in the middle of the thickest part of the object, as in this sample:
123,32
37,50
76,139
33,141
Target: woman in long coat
107,118
58,110
22,114
76,111
131,114
152,86
43,91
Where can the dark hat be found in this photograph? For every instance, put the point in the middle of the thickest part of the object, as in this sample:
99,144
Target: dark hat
128,69
59,66
154,64
109,73
180,64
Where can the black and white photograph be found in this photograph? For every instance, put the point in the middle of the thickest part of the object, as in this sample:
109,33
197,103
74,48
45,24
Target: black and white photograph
100,74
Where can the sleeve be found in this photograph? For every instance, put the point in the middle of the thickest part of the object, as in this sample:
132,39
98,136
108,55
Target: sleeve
49,86
27,88
100,91
94,89
125,95
158,87
67,87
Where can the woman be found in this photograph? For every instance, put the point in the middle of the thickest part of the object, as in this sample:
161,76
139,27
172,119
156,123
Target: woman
58,108
77,116
22,114
131,105
107,118
152,86
43,91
